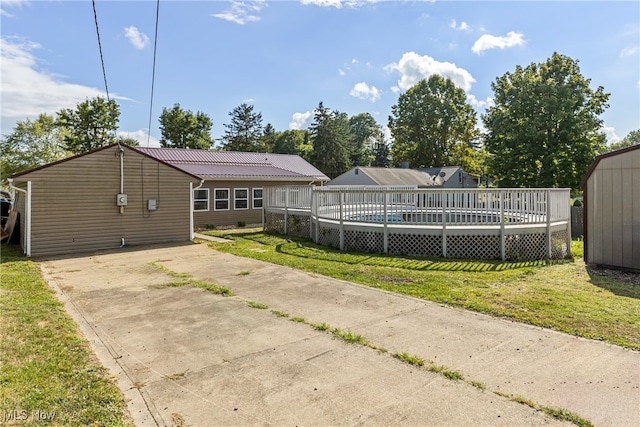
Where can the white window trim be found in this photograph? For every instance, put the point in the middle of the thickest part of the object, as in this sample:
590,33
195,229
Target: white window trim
200,200
253,198
215,199
241,198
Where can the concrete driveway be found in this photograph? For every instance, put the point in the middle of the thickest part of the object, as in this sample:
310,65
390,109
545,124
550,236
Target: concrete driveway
186,356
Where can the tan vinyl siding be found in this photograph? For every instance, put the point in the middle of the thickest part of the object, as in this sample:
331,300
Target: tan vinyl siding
613,190
74,203
232,216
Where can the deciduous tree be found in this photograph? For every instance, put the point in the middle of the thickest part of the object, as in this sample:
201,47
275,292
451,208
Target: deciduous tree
91,125
32,143
544,129
183,129
428,121
632,138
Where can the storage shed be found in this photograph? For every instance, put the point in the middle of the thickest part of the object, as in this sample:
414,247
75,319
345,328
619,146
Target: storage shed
103,199
612,210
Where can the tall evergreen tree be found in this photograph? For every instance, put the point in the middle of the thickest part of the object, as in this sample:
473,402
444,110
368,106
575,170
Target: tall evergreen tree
245,131
330,137
364,132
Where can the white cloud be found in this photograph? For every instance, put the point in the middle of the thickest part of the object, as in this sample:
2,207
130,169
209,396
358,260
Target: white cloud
27,91
611,136
242,12
364,91
138,40
487,41
142,136
413,68
629,51
300,120
480,104
11,3
462,27
339,4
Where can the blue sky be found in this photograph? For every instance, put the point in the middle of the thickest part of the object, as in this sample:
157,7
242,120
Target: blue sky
284,57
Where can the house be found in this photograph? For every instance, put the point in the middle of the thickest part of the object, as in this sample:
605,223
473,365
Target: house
231,191
120,196
446,177
611,216
452,176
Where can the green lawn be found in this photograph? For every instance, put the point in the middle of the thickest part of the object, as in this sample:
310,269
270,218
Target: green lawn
560,295
48,374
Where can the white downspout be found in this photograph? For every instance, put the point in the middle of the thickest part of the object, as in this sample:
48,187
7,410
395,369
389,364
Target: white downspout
27,220
191,190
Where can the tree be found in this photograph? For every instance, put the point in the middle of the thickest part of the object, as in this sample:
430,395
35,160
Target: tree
632,138
244,133
381,154
330,139
183,129
364,131
268,139
32,143
428,121
91,125
543,130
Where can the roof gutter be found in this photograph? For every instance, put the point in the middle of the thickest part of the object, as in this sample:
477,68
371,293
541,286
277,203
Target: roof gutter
27,208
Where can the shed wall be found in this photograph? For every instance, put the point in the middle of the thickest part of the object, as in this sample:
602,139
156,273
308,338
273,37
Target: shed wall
73,204
614,211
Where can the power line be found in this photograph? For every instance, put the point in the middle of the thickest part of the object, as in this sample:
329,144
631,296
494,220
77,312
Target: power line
153,73
104,73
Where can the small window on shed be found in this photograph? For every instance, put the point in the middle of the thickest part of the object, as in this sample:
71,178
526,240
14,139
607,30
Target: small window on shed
241,198
201,199
221,199
357,170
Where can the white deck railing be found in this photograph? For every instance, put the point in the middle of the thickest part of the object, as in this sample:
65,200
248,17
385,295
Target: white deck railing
498,209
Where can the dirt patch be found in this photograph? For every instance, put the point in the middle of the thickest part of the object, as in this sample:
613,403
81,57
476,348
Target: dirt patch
626,277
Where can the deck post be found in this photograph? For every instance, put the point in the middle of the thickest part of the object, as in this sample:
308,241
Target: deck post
341,221
503,251
385,230
548,224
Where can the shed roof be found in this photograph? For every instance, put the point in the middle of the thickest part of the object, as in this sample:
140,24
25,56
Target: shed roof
597,160
237,165
398,176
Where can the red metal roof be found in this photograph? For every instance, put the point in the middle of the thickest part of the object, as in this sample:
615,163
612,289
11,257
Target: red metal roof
225,164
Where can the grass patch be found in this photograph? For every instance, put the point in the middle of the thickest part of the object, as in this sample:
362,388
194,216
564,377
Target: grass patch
412,360
47,366
244,273
280,313
176,376
562,295
558,413
478,385
449,374
321,326
350,337
298,319
188,280
257,305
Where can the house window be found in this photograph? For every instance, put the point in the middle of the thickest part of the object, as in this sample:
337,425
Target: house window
201,199
257,198
221,199
241,198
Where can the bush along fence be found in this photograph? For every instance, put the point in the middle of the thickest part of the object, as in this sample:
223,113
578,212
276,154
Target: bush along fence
507,224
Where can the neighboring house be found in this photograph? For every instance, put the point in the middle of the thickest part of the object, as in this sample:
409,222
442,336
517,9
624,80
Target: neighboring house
231,192
446,177
121,195
452,176
611,215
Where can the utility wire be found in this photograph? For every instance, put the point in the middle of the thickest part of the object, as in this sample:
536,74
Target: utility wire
153,73
104,73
